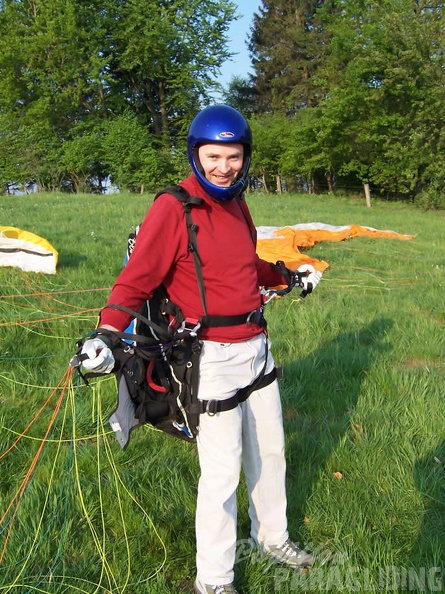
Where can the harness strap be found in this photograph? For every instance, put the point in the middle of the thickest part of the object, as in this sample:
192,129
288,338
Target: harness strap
161,332
212,407
188,201
211,321
193,248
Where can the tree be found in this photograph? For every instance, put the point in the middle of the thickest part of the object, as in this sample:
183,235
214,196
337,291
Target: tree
308,159
269,140
385,72
362,86
83,163
66,67
165,56
134,158
241,95
285,46
51,61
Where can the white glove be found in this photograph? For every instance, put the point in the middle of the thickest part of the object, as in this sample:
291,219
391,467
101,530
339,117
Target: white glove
100,358
309,282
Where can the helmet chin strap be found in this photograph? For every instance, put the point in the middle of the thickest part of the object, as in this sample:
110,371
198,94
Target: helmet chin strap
199,167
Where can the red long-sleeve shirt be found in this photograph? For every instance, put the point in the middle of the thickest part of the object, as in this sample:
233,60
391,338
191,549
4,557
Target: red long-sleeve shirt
231,269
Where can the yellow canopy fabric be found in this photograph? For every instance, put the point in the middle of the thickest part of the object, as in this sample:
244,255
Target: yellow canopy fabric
283,243
26,251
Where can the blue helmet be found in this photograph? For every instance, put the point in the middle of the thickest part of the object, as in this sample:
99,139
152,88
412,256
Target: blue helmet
219,124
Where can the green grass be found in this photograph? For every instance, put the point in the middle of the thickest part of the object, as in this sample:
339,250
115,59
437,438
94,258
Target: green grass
362,396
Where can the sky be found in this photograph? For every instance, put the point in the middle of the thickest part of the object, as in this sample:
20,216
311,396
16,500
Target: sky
238,34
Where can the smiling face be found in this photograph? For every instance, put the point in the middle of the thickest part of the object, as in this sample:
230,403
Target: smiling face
221,163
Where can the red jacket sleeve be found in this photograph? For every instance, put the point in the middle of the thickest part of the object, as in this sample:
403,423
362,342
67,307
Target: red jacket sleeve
158,243
267,276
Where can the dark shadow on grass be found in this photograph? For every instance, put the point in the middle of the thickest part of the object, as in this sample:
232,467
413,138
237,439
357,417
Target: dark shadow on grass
71,260
319,393
428,553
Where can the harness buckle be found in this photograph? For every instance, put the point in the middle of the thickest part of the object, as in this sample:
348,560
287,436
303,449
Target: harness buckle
212,407
268,295
255,316
190,326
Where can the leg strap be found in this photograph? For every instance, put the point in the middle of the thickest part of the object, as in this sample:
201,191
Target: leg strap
212,407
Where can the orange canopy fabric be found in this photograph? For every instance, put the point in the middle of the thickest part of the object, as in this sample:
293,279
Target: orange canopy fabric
284,243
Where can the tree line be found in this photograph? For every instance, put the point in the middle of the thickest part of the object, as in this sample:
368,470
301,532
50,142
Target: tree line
93,90
344,94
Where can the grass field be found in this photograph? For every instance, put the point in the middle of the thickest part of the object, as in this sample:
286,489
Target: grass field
363,400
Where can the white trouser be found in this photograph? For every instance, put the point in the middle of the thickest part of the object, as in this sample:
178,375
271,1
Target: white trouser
250,435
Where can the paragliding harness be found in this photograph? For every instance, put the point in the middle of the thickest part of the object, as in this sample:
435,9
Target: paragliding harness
157,361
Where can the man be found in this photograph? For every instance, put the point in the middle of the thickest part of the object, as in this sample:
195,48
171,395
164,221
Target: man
251,434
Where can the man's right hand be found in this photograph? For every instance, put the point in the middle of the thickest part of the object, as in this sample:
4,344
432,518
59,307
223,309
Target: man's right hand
99,358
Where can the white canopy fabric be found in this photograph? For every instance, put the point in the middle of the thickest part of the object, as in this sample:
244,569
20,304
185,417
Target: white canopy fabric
27,251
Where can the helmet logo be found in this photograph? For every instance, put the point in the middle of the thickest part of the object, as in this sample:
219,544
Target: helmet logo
227,134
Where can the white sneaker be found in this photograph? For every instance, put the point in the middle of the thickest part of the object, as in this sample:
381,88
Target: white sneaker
290,554
200,588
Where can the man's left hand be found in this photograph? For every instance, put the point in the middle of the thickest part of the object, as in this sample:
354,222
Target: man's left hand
308,278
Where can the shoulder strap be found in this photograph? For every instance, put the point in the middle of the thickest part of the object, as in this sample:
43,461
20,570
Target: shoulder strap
188,202
181,194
